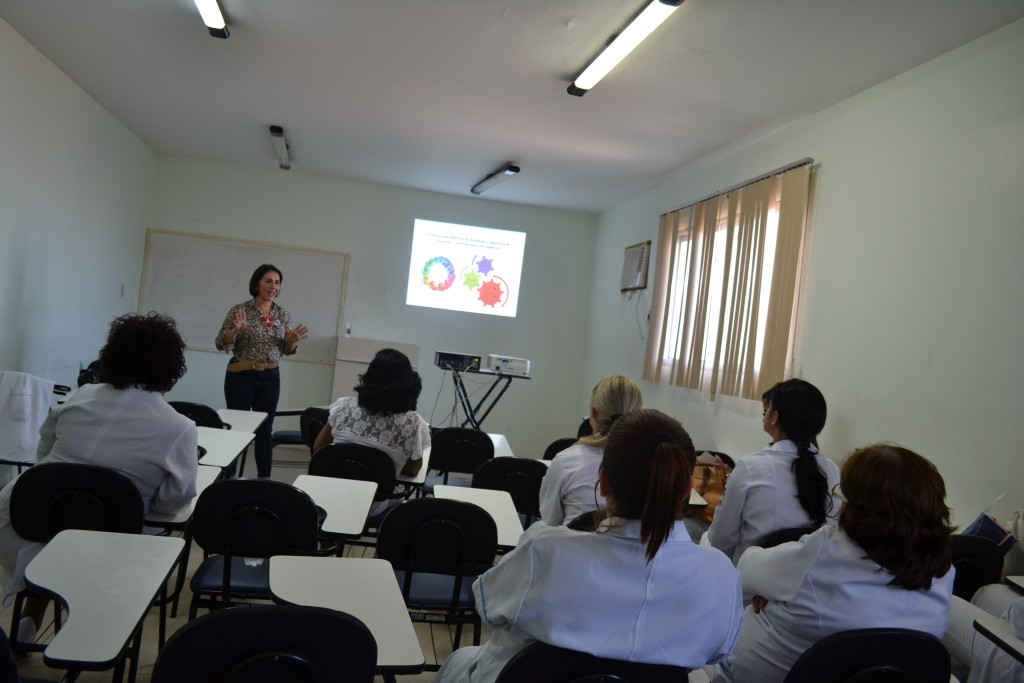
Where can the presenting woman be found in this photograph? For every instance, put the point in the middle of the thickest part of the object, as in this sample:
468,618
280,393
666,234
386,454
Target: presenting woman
569,488
887,565
784,486
257,333
637,589
122,424
382,415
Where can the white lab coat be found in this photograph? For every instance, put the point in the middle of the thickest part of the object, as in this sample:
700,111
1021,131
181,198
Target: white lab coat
595,592
817,586
567,490
988,662
24,403
132,431
760,497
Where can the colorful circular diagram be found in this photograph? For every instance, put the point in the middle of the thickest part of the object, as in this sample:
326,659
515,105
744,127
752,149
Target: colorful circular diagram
430,275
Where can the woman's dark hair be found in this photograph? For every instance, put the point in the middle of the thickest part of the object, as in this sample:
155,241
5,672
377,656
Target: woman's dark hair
648,460
142,351
257,275
389,385
801,408
895,510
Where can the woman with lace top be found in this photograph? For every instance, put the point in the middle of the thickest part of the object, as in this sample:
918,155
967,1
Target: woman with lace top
382,415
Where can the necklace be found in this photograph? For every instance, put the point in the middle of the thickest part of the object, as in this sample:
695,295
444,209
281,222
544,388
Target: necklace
268,319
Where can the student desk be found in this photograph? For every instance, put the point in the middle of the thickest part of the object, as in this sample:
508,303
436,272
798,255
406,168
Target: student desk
107,581
206,475
498,505
346,501
223,446
998,631
364,588
242,420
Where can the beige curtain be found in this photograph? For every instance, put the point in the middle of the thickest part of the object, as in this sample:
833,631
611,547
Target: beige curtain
714,327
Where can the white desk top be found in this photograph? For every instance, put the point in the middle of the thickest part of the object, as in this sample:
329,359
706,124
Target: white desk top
501,450
1016,583
497,503
366,589
998,631
107,582
206,476
346,501
223,446
242,420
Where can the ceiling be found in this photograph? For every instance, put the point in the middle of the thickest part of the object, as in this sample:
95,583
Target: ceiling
436,94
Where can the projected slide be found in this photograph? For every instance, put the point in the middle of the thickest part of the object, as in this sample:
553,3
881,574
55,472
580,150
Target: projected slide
463,268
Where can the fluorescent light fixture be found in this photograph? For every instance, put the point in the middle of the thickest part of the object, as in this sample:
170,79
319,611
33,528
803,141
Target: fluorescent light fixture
506,171
280,147
213,18
642,25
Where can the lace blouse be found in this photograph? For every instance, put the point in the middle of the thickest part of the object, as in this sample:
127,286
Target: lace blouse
265,341
402,435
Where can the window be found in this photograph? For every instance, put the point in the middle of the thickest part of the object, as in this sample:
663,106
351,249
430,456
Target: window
725,288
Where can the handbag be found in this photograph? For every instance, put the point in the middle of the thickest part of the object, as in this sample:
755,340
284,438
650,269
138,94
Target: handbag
710,484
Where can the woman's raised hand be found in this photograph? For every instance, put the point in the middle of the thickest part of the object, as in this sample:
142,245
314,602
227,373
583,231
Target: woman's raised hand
295,335
240,322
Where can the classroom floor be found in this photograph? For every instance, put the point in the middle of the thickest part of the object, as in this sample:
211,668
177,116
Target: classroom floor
289,463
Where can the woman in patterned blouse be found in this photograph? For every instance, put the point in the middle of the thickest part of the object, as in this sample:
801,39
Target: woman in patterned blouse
382,415
257,333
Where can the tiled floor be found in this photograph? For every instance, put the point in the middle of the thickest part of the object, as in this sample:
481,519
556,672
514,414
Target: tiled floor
288,464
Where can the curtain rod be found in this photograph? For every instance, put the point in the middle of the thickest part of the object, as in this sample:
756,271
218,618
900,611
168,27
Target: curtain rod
769,174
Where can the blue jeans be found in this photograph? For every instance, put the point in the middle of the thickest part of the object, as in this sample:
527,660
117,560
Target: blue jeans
256,390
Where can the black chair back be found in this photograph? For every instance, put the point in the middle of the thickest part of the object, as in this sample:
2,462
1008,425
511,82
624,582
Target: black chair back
557,446
978,562
786,535
203,416
520,477
455,449
311,422
543,663
585,428
585,522
52,497
873,655
255,518
269,643
356,461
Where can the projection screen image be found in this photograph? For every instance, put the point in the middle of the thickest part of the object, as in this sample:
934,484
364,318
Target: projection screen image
465,268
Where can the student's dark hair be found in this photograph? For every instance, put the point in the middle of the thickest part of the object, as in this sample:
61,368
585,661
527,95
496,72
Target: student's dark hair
802,411
142,351
648,461
895,510
389,385
257,275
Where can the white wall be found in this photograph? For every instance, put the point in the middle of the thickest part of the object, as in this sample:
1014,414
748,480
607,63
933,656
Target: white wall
912,309
75,192
374,224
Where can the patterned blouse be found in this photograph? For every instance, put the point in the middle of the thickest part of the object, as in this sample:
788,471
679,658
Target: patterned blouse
265,342
402,435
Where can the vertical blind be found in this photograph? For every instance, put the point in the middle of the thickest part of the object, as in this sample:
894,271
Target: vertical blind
725,287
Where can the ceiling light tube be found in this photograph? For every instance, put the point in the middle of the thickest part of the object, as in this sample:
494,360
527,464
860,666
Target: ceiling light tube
619,46
213,18
506,171
280,147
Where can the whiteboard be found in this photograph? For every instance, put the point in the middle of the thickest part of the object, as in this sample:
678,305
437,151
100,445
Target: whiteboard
197,278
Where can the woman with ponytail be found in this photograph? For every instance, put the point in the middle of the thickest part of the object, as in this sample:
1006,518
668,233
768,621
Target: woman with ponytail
637,589
570,486
784,486
887,565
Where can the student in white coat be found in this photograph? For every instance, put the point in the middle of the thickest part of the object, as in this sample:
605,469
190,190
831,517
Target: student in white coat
784,486
637,589
569,488
887,565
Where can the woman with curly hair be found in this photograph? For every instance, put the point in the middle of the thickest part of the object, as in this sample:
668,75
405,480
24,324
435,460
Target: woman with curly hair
382,415
122,423
887,565
787,484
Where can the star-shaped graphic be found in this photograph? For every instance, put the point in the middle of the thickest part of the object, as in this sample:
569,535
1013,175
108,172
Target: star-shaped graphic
484,265
471,280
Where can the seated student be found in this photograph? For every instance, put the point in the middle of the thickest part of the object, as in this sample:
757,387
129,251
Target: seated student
784,486
887,565
382,415
122,424
637,589
988,662
570,486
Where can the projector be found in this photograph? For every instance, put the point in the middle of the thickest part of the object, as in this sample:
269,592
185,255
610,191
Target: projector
457,362
507,365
